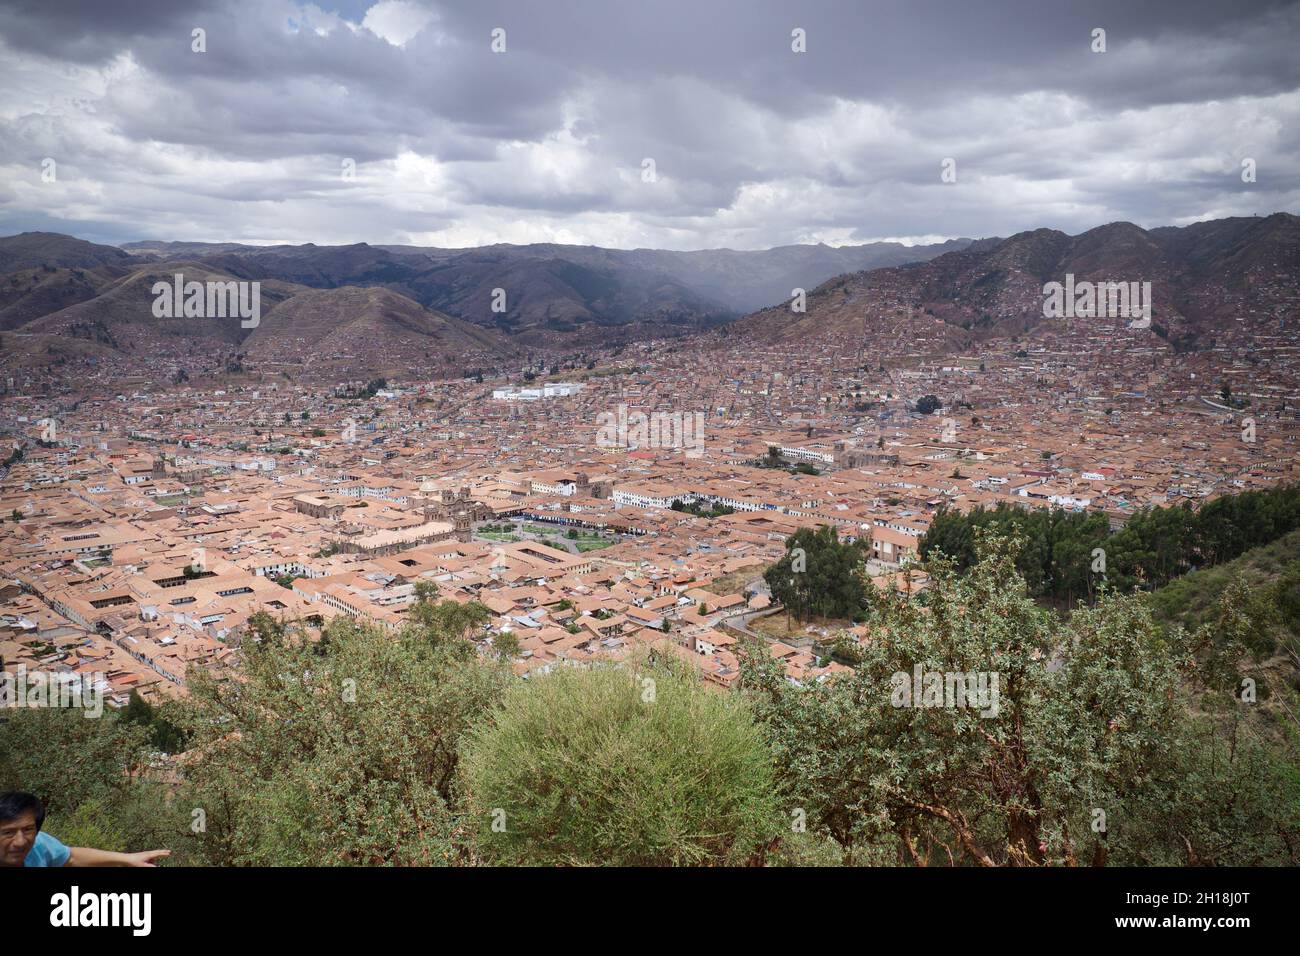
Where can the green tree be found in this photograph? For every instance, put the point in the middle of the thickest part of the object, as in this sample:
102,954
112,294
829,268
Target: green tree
448,621
1092,716
164,733
506,645
1156,545
819,575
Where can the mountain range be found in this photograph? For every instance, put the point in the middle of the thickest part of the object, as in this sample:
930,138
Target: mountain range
1204,277
549,288
387,307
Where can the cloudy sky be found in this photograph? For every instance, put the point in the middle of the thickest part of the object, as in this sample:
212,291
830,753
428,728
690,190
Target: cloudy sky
752,143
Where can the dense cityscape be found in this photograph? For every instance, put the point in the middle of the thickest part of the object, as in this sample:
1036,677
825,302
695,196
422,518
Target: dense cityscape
323,499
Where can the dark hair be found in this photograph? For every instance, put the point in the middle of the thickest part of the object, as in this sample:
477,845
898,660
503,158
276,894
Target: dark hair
17,802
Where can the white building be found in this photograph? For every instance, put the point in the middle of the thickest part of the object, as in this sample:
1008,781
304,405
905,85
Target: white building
533,392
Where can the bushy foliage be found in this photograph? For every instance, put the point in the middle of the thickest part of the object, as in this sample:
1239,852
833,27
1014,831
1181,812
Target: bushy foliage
92,774
342,752
1092,729
606,766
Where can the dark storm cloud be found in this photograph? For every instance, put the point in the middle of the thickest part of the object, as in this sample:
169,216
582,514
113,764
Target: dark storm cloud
908,50
752,144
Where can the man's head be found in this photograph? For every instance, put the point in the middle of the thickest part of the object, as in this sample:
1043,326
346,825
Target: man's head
21,816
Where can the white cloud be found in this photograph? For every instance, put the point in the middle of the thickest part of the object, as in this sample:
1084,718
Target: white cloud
397,21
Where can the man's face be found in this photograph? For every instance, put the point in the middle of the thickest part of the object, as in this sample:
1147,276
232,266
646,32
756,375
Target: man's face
16,838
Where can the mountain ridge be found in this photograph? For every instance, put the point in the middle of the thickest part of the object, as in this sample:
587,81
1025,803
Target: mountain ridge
493,303
1202,275
554,287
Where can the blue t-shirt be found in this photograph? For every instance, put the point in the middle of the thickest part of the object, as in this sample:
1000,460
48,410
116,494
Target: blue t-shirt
47,851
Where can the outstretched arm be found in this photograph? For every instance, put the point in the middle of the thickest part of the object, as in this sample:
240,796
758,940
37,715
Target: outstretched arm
88,856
